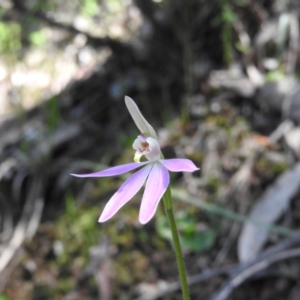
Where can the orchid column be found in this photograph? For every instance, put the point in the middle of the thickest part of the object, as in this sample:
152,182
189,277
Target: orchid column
155,172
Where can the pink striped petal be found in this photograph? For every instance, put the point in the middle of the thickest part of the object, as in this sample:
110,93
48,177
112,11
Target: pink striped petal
179,165
126,191
156,186
118,170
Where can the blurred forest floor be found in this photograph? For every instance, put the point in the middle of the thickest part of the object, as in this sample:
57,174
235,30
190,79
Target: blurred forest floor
219,80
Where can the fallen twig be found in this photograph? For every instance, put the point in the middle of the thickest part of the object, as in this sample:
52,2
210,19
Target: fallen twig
27,225
260,265
268,257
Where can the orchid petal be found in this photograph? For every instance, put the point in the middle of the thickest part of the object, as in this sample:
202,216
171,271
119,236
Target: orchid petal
154,153
126,191
140,122
179,165
146,146
118,170
156,186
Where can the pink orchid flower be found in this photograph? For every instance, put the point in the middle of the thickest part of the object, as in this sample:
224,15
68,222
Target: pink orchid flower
155,171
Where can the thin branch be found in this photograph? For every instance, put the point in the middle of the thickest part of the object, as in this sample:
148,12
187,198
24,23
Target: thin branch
271,254
27,225
115,45
233,283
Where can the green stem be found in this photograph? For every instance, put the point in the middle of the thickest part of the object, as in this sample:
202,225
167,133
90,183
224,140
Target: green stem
167,199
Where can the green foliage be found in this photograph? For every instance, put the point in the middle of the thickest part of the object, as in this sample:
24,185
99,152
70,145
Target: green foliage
114,5
228,15
213,184
53,114
24,147
46,5
192,238
275,75
77,229
217,210
2,297
89,7
226,19
269,168
199,241
242,48
38,38
10,37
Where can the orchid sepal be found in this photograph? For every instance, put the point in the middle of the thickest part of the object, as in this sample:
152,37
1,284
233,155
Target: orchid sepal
141,123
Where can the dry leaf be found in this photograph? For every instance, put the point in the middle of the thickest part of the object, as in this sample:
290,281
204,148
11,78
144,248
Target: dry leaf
292,138
267,210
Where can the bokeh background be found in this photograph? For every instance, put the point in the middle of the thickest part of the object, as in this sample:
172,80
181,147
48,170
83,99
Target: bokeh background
219,80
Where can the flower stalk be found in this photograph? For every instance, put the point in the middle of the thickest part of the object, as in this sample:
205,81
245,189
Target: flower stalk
167,200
